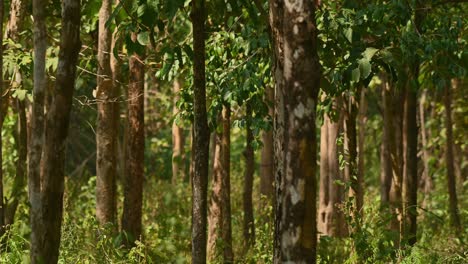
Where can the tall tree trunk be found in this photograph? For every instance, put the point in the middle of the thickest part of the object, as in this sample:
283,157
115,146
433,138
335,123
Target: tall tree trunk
178,140
106,135
215,215
426,177
226,186
297,76
133,191
248,224
201,136
15,25
350,145
267,177
451,181
330,219
116,67
56,132
362,120
410,173
37,129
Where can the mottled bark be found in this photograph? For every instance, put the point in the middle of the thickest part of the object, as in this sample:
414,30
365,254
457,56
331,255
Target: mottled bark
248,223
133,190
426,180
37,128
201,136
106,135
267,177
330,220
56,132
297,76
451,181
214,214
178,140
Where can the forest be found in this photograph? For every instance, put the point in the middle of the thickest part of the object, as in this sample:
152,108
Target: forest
233,131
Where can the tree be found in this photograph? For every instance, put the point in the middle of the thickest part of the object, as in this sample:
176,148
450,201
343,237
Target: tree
297,79
200,136
56,131
134,172
178,140
106,134
249,222
267,178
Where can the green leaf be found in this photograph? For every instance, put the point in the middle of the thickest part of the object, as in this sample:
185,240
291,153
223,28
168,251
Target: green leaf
356,75
369,53
364,68
349,34
143,38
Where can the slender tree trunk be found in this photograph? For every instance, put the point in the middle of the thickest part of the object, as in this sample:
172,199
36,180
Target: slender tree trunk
427,182
133,191
451,181
267,177
15,25
297,76
56,132
330,219
215,215
362,120
201,137
106,136
116,67
37,129
226,186
248,224
178,141
410,173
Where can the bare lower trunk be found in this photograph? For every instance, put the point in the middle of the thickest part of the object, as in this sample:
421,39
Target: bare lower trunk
297,81
200,137
226,186
214,216
56,132
133,191
37,129
451,181
266,172
178,141
362,120
427,181
248,223
330,220
106,133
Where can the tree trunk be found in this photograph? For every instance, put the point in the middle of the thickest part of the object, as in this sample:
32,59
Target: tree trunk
56,132
178,141
267,177
15,24
226,186
106,134
201,136
451,181
330,218
427,181
37,129
362,120
215,215
297,76
133,190
116,67
249,224
410,173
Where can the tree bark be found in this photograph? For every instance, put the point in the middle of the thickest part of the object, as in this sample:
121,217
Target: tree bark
249,224
226,186
215,215
201,137
133,190
297,76
56,132
178,141
451,181
330,218
37,129
410,173
106,134
362,120
427,181
267,176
